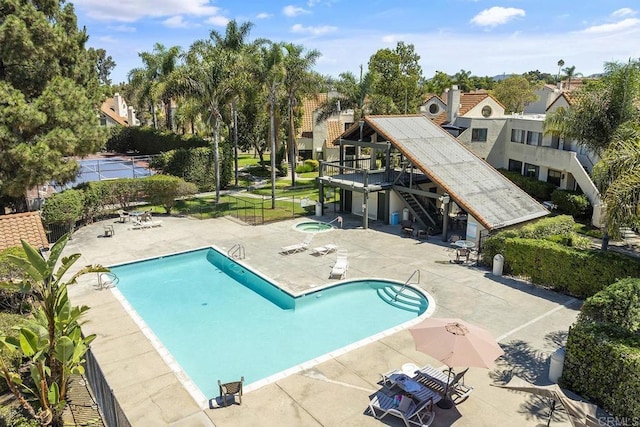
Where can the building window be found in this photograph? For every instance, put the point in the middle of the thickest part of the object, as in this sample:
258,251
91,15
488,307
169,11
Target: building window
515,166
555,141
534,138
434,109
554,177
517,135
486,111
479,135
347,125
532,171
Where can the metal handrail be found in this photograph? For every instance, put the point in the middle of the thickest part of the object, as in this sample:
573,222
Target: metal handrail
236,251
395,297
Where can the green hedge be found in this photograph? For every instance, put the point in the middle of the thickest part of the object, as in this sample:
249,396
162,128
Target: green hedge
537,189
618,304
195,165
572,203
602,364
65,207
581,273
145,140
163,190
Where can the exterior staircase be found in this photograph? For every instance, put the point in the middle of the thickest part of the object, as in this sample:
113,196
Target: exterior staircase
419,211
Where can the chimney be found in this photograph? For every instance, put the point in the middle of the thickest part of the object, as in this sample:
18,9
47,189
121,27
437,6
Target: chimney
453,104
131,117
120,107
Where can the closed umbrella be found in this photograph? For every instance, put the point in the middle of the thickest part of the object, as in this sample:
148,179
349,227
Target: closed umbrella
581,414
455,342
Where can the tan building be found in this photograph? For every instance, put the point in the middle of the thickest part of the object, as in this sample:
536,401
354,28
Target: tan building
115,112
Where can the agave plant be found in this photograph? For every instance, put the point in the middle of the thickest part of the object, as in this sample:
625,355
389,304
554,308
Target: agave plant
50,340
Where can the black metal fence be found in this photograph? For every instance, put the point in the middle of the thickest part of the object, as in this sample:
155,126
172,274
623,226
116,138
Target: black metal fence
111,410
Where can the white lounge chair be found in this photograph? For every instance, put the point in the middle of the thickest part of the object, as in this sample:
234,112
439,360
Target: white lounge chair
138,225
339,269
323,250
407,410
298,247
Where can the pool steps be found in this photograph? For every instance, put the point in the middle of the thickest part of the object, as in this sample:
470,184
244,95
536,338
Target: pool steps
407,299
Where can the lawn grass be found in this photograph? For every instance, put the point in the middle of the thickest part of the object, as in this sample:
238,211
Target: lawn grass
247,159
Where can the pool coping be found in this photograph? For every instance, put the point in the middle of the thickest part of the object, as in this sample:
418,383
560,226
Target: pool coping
190,386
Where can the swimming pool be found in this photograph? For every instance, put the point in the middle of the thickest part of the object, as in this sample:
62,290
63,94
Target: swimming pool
313,227
219,320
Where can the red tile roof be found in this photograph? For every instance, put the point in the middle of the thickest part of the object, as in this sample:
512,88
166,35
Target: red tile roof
335,128
23,226
309,106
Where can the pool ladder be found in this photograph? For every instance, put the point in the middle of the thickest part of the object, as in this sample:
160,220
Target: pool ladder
236,251
416,272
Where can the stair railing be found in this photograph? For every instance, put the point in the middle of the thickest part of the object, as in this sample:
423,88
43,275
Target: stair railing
236,251
416,272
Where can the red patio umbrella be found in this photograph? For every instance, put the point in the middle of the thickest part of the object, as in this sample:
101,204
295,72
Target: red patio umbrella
455,342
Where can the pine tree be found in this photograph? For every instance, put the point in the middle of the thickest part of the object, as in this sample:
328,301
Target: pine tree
48,97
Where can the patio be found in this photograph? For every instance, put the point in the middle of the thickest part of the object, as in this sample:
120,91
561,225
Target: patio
530,324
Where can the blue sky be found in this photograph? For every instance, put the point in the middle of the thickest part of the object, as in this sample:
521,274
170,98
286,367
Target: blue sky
484,37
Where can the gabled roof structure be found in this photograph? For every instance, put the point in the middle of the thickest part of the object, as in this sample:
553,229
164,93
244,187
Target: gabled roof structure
22,226
473,184
309,106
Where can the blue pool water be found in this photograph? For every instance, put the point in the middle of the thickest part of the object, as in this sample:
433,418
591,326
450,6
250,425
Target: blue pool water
220,320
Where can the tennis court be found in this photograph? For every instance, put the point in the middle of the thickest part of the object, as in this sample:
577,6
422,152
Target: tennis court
109,168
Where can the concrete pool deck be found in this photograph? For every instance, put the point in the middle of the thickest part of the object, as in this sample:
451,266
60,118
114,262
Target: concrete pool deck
530,324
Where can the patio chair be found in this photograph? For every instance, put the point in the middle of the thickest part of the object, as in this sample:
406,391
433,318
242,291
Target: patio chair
138,225
298,247
231,389
339,269
124,216
109,231
402,407
407,228
323,250
462,253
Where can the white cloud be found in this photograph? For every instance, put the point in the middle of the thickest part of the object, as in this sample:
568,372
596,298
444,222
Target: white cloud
316,31
291,11
132,10
218,20
625,11
391,38
107,39
175,22
614,27
122,28
263,15
496,16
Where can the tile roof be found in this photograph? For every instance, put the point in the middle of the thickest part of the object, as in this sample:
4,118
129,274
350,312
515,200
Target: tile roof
309,106
108,110
335,128
22,226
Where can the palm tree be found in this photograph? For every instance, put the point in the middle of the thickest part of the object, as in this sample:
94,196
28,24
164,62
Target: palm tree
299,81
271,72
617,176
353,94
208,78
560,65
233,40
570,73
150,81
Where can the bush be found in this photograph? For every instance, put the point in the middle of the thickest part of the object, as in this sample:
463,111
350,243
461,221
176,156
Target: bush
8,270
65,207
546,227
539,190
603,365
581,273
7,323
14,416
572,203
618,304
163,190
145,140
313,164
304,168
573,240
197,166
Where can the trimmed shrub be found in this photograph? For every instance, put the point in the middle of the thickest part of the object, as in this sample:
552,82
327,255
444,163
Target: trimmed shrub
572,203
196,165
145,140
573,240
602,363
313,164
64,208
581,273
537,189
304,168
164,190
618,304
546,227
